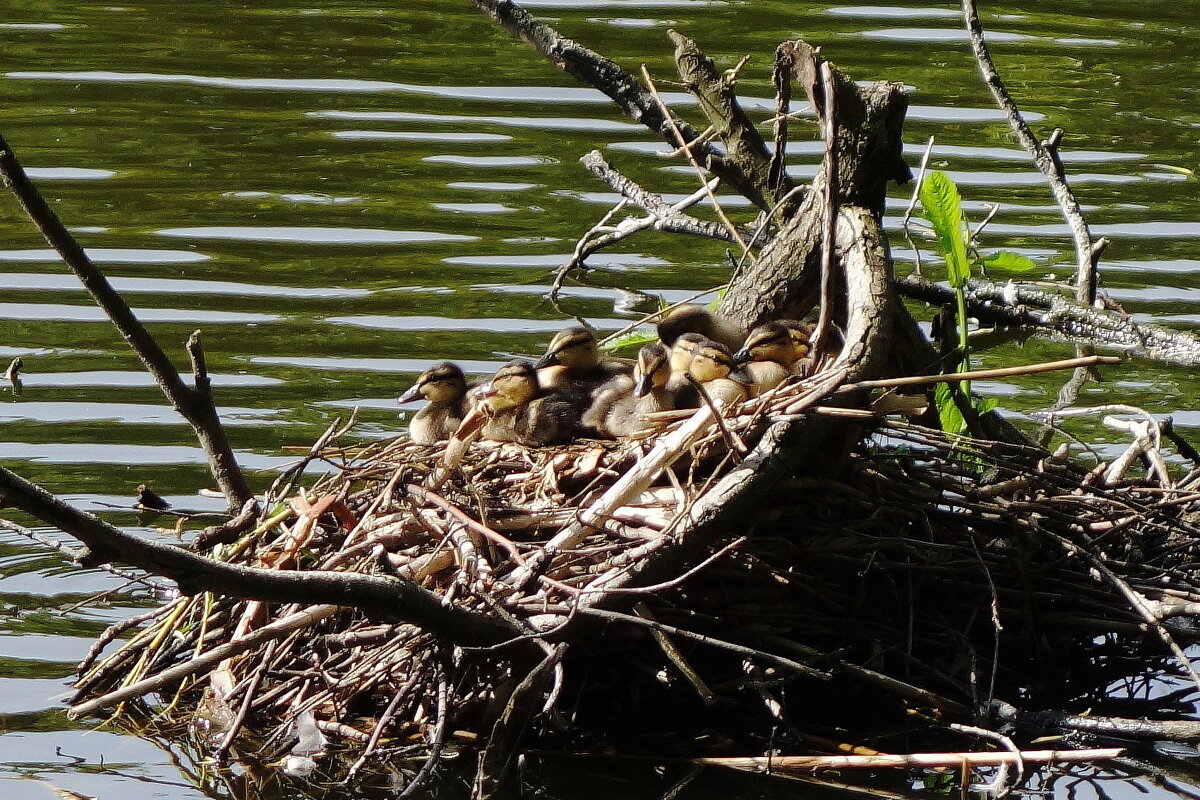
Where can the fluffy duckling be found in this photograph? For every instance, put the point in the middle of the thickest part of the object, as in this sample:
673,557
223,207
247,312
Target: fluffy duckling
681,354
519,410
444,388
698,319
713,368
801,333
770,356
622,403
572,364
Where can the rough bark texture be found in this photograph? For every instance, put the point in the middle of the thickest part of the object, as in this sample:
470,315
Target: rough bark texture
782,281
1020,305
744,145
383,597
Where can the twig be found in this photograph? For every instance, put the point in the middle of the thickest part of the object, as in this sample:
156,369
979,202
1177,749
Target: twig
619,85
195,404
675,657
912,203
999,787
274,630
660,313
829,228
887,760
1045,155
721,644
438,741
716,204
982,374
387,598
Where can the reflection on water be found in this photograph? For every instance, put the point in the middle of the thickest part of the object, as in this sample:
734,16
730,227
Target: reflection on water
340,195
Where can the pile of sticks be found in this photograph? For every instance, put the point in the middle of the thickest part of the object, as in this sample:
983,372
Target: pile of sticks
927,548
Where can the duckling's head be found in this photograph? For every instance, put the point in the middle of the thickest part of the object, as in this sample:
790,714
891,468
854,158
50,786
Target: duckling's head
711,362
698,319
769,342
688,318
513,385
683,350
574,348
441,384
800,333
653,369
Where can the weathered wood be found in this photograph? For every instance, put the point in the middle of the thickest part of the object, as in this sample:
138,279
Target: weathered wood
744,145
1022,305
782,281
609,77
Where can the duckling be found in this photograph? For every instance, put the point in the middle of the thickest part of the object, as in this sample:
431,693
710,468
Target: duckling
444,387
713,368
770,356
698,319
621,404
519,410
572,365
801,333
682,352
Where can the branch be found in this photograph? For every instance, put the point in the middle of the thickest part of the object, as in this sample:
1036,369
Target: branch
1021,305
194,404
744,145
1045,155
621,87
380,597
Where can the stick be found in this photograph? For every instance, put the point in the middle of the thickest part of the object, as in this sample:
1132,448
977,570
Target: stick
385,598
829,229
722,644
888,760
195,404
1045,155
664,453
274,630
619,85
983,374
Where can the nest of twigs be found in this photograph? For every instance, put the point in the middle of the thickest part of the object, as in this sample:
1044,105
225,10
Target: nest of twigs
927,573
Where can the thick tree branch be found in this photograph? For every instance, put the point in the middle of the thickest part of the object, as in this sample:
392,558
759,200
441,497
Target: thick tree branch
744,145
377,596
194,404
1018,305
622,87
783,282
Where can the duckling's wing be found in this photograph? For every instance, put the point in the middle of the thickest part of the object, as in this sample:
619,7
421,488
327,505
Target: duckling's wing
552,419
608,397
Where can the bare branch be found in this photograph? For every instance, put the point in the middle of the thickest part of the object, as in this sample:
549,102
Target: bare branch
194,404
1045,155
601,73
377,596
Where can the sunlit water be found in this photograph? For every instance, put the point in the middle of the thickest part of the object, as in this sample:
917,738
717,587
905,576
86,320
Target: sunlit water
338,195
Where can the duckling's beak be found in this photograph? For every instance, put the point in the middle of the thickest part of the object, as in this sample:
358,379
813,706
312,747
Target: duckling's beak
742,356
741,376
643,386
413,393
548,360
485,390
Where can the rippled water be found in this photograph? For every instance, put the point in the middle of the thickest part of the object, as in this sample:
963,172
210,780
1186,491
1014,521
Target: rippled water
340,194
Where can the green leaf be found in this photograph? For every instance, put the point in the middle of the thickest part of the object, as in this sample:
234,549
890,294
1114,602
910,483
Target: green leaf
632,340
943,209
951,418
1008,261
